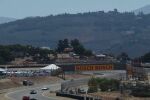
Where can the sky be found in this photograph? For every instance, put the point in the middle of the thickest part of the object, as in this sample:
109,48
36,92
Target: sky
27,8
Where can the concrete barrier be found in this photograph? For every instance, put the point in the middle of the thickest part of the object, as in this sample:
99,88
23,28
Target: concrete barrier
74,83
78,97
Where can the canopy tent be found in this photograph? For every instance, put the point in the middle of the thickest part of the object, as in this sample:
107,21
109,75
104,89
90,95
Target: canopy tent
50,67
100,55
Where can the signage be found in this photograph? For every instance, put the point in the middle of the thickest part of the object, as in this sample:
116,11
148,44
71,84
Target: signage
93,67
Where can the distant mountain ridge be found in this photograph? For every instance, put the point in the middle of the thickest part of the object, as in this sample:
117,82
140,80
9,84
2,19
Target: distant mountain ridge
103,32
6,20
145,10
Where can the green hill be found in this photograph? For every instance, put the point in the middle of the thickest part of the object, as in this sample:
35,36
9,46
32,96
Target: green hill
101,31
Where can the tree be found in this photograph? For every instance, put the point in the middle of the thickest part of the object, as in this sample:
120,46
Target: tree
115,11
145,58
60,47
62,44
5,55
75,43
66,43
88,53
79,50
2,60
108,84
123,57
10,52
77,47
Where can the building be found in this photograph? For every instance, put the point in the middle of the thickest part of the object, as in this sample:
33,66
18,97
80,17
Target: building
63,56
138,71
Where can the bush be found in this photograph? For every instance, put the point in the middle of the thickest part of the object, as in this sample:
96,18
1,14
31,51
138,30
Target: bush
104,84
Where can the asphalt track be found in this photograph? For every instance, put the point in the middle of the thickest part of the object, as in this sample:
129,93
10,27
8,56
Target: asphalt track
18,94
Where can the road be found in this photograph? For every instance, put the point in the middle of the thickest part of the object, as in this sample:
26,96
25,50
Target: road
18,94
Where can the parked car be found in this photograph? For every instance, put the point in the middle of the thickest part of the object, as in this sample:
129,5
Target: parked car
33,92
82,91
30,83
27,83
45,88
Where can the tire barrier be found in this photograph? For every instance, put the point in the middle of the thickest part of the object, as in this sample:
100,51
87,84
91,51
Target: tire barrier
78,97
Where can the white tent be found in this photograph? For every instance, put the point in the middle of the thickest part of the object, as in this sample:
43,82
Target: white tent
50,67
100,55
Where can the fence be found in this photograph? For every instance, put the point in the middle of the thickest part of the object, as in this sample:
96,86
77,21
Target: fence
74,83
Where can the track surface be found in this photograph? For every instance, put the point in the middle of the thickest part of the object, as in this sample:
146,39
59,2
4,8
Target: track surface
18,94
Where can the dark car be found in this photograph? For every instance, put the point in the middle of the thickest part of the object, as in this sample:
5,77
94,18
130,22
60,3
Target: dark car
25,98
82,91
25,82
30,83
33,92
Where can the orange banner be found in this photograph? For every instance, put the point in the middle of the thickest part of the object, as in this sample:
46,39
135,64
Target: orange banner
93,67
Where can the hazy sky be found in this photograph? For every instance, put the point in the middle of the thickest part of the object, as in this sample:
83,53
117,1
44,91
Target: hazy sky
25,8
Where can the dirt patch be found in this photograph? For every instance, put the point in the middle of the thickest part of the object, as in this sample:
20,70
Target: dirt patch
37,79
114,95
8,83
14,82
106,95
2,97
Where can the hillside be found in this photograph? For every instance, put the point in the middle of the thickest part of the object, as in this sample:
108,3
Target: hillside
101,31
6,20
145,10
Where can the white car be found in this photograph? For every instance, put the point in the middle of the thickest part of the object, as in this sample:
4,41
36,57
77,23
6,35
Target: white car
45,88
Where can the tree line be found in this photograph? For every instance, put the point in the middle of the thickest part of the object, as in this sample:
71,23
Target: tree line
10,52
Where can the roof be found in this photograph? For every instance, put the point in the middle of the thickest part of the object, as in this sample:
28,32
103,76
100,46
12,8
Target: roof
50,67
101,55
